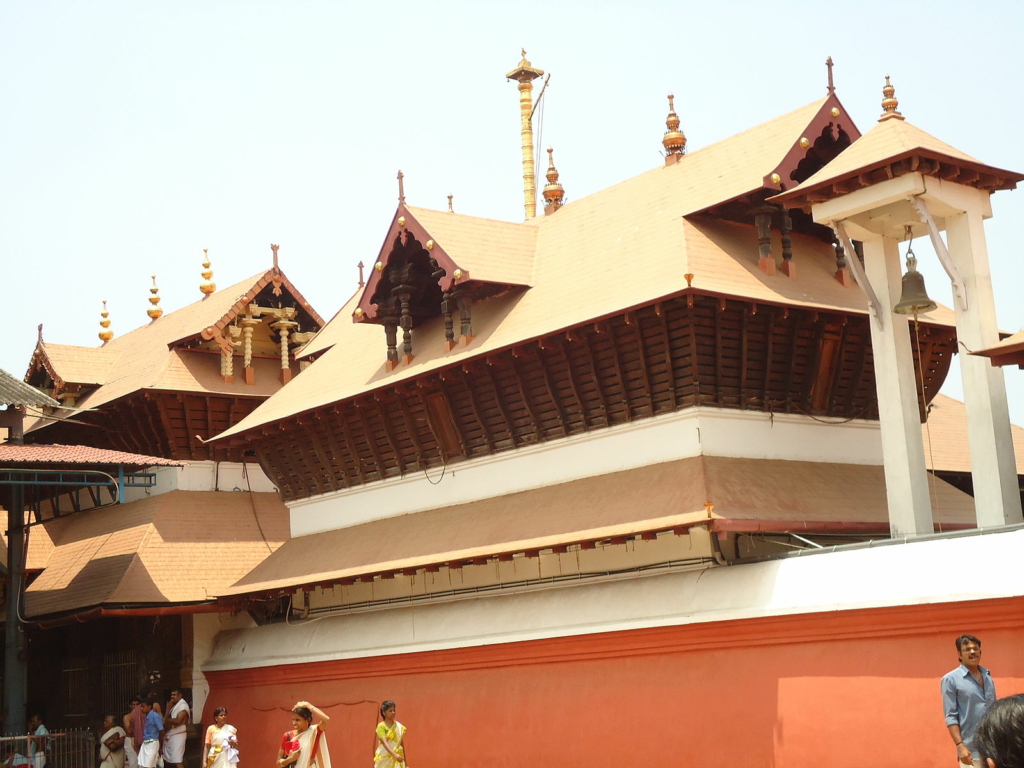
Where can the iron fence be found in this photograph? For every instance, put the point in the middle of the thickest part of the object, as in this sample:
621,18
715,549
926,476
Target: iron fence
72,748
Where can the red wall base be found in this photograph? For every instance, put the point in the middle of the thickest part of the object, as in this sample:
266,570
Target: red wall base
843,689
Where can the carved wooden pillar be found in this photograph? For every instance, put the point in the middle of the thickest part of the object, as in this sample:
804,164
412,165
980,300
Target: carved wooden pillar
391,337
449,321
406,322
842,272
763,219
465,324
283,327
248,326
788,267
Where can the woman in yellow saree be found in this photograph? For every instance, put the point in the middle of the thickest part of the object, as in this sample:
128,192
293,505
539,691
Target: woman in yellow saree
306,745
390,740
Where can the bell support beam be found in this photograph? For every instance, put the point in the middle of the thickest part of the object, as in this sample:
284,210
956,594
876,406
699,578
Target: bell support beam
874,305
993,467
941,251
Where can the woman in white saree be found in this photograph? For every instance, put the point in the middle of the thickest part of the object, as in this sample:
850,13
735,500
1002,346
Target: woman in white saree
390,740
221,741
306,745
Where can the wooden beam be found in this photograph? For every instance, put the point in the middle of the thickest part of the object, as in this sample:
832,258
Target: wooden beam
837,368
410,428
371,441
744,322
353,451
694,364
719,373
523,393
162,404
389,435
332,442
858,369
642,360
183,401
325,465
794,336
811,374
596,378
573,384
549,386
474,406
617,366
431,424
146,405
667,343
500,401
766,400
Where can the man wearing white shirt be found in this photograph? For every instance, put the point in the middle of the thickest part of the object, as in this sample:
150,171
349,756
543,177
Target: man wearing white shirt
176,720
37,741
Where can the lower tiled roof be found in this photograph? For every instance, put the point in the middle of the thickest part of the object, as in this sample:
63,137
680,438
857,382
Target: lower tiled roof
11,453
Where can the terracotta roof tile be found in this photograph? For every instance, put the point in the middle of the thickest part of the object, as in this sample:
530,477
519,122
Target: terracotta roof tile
177,547
40,544
78,365
12,454
949,451
658,497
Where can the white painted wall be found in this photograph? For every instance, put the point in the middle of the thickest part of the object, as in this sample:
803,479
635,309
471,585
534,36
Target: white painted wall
903,574
206,476
205,628
680,435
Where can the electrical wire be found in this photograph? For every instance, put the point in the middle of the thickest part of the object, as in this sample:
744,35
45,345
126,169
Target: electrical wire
252,503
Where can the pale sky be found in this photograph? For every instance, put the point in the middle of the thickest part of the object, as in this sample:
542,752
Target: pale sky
136,134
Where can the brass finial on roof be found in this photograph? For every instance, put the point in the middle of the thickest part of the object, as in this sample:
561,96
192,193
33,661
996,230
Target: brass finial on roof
450,208
554,194
154,311
889,103
674,139
207,286
105,334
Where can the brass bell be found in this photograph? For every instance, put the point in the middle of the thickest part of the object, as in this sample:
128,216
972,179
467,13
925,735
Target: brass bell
914,299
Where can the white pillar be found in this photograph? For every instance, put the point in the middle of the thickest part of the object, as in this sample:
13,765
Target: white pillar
993,467
906,478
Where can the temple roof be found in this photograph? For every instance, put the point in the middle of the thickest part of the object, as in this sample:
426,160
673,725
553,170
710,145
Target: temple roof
752,495
887,143
947,450
78,455
14,392
1009,351
176,547
152,356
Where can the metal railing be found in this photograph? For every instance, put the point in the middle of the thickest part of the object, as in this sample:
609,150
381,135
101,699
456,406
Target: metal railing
72,748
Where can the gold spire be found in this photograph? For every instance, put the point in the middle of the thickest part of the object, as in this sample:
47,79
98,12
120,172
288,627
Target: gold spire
889,103
526,73
154,311
106,334
674,140
554,194
207,286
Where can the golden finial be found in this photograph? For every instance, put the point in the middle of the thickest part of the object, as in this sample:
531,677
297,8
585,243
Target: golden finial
674,140
207,286
554,194
154,311
889,103
106,334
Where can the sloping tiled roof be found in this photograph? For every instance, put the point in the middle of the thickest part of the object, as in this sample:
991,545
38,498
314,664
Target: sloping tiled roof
15,392
77,365
491,250
748,494
176,547
40,544
1011,345
949,451
12,454
143,358
886,141
327,336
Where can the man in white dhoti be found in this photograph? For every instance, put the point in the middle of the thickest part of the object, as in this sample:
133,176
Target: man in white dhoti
176,722
149,749
37,742
133,723
112,744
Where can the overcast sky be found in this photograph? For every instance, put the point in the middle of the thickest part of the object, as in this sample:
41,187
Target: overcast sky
135,134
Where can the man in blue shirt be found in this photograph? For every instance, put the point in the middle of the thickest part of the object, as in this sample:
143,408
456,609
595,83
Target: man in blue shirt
152,733
967,692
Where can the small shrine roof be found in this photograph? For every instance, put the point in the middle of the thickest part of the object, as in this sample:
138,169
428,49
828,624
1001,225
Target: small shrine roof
1008,351
15,392
177,547
749,495
947,450
71,364
888,142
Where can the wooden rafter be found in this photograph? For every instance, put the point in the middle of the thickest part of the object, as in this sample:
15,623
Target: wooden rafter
525,396
549,387
670,371
602,401
478,414
500,402
560,343
389,435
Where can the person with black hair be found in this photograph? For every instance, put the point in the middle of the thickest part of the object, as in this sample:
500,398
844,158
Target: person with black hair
999,737
306,745
390,740
967,692
152,735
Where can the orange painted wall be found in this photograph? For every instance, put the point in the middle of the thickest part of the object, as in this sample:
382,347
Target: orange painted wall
843,689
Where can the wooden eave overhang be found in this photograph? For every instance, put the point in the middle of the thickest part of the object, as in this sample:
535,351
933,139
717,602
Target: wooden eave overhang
404,223
920,160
